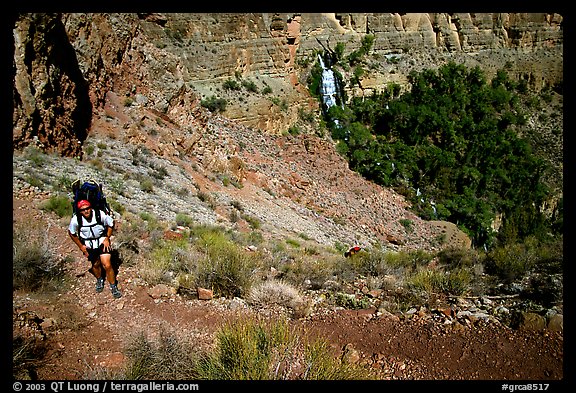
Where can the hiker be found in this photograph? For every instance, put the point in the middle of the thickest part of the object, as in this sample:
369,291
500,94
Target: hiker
93,239
351,251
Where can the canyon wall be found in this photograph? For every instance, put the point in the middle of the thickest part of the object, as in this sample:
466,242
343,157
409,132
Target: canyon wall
66,64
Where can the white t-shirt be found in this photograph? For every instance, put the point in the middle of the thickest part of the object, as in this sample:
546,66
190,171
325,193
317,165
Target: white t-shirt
91,233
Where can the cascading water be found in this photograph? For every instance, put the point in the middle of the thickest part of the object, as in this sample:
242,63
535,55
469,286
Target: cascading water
328,88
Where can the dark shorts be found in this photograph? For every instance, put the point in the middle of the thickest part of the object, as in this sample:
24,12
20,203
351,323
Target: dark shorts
94,253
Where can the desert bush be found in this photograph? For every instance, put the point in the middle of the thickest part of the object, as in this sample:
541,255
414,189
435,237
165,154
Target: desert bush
368,263
226,267
249,350
293,243
231,84
511,261
146,185
254,222
27,354
455,257
169,358
349,301
147,223
545,289
167,259
35,156
35,266
275,292
322,364
63,183
184,220
207,198
298,269
398,259
271,350
58,204
116,206
250,86
455,282
214,104
379,262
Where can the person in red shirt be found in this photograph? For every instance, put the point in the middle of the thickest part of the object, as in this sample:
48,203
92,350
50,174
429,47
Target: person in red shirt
93,238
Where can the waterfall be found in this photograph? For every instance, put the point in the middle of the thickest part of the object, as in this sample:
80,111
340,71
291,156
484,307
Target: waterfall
328,88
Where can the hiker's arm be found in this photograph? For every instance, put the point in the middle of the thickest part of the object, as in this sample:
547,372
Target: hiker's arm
76,240
106,242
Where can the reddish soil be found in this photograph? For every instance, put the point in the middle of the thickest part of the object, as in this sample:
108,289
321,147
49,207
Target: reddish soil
88,330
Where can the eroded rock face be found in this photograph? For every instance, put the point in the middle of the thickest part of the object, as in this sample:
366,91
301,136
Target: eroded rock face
51,103
64,65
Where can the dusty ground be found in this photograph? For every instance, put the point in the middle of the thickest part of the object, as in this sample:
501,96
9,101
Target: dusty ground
85,331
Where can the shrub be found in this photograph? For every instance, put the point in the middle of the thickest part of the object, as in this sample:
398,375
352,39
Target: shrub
146,185
36,156
250,86
275,292
321,364
231,84
167,258
89,149
407,260
350,302
511,261
226,267
293,243
214,104
427,280
35,266
27,354
270,350
237,205
454,257
313,271
60,205
64,183
254,222
250,350
116,206
407,224
455,282
184,220
169,358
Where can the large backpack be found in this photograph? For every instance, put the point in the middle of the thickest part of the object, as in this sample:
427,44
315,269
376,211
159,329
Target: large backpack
90,190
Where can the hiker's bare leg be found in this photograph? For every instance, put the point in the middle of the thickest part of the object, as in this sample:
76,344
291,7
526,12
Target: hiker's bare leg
96,269
106,260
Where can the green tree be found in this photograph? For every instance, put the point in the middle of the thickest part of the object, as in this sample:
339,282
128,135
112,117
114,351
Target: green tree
452,137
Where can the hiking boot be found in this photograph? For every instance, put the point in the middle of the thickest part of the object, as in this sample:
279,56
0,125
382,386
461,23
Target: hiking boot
115,292
99,285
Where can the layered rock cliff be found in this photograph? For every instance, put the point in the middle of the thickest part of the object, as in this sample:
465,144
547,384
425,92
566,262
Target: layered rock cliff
64,65
136,82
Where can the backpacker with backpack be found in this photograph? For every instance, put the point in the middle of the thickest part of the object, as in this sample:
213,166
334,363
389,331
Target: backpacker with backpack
90,190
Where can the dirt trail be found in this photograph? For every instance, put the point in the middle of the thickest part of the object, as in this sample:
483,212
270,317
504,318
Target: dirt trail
399,349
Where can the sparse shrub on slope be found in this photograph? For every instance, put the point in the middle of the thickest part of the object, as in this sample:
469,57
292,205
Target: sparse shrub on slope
167,358
226,268
271,350
58,204
280,293
35,266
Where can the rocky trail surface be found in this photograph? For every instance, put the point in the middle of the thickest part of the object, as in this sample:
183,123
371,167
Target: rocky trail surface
85,331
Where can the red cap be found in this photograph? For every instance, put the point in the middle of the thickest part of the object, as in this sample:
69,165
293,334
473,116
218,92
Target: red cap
83,203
